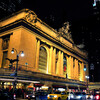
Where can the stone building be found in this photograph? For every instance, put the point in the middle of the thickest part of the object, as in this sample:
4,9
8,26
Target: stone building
51,57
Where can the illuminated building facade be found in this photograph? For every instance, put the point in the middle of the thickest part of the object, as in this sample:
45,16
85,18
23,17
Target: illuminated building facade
51,57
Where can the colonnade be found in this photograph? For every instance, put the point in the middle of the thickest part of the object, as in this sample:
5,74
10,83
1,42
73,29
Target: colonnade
55,63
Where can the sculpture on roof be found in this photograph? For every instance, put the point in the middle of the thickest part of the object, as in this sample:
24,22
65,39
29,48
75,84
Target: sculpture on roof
64,31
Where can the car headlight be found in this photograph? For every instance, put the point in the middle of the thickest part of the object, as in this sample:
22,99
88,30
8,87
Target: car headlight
91,96
78,97
55,96
33,96
26,95
48,96
71,96
86,96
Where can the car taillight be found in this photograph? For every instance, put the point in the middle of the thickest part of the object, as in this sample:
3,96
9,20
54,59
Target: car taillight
97,97
27,96
14,96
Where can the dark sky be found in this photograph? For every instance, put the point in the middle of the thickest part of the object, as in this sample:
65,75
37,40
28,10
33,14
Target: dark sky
53,12
60,10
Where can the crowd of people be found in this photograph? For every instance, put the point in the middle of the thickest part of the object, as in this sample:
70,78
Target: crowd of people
11,94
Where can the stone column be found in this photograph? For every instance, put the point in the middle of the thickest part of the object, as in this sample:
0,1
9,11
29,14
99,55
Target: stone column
79,71
50,61
54,61
70,67
1,52
76,69
37,53
66,66
82,72
58,63
61,64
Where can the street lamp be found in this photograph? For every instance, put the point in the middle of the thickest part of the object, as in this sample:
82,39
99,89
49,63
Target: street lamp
85,68
87,77
17,59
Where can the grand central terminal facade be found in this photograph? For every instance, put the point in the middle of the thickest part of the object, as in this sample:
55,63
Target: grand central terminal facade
51,57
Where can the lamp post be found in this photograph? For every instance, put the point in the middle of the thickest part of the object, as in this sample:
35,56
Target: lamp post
87,77
85,68
17,59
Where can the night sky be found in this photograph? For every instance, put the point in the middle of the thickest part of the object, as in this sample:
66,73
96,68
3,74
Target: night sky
79,13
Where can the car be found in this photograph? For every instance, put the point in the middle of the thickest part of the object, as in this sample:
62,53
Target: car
80,96
30,95
70,95
89,96
97,96
41,95
58,95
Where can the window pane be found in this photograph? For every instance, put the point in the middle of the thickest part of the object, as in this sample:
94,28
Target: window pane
43,60
4,58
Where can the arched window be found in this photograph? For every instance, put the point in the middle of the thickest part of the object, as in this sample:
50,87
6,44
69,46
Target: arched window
73,62
65,66
43,60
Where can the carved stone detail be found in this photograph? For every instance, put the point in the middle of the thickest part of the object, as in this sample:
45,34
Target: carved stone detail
31,17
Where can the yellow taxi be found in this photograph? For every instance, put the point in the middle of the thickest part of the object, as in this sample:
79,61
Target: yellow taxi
58,95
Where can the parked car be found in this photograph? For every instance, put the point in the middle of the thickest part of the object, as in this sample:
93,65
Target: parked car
58,95
30,95
89,96
41,95
80,96
70,95
97,96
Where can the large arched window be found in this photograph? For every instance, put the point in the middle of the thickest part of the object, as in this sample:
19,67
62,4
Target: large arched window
65,66
43,60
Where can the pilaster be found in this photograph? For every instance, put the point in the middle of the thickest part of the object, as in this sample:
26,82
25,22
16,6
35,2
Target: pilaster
54,61
58,64
61,64
82,72
1,53
70,67
76,69
37,53
50,60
